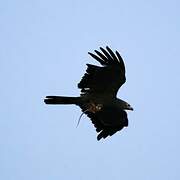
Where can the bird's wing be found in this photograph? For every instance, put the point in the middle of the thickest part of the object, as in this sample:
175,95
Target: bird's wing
108,120
106,79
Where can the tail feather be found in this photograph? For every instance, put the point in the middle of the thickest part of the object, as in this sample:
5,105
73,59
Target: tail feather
61,100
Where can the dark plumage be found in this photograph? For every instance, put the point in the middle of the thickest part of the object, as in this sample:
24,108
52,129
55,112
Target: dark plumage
99,87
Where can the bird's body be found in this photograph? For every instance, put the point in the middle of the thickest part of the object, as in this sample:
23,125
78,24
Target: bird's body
98,99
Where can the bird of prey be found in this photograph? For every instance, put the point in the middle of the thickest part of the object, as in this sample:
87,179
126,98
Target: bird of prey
99,87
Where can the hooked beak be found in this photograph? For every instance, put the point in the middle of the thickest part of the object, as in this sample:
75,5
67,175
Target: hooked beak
131,108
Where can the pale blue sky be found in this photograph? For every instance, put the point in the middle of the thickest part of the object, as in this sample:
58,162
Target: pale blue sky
43,51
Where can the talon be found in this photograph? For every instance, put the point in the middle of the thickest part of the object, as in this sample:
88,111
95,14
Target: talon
94,108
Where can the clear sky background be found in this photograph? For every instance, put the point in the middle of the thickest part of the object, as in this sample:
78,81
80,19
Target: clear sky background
43,51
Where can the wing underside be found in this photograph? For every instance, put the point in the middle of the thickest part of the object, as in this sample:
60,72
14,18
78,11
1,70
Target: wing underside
107,121
105,79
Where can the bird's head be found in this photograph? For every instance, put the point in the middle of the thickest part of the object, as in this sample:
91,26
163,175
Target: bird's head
124,105
128,107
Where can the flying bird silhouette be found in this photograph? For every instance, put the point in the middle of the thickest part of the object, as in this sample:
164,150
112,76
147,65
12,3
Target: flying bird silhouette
99,87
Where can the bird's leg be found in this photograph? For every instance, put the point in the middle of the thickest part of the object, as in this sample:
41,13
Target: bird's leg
92,107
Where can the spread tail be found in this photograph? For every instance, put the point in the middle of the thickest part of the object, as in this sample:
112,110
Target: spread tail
62,100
